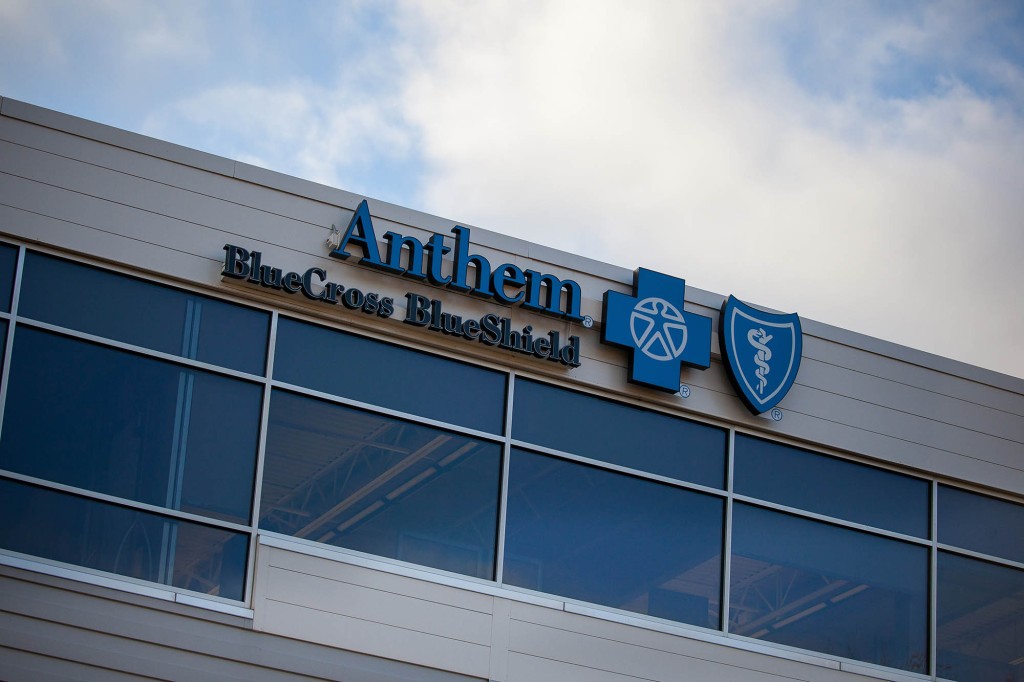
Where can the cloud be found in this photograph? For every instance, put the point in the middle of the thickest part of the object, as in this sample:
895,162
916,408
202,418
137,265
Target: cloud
688,137
317,95
301,128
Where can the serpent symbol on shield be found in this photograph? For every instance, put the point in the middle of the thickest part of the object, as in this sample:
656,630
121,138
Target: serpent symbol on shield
761,352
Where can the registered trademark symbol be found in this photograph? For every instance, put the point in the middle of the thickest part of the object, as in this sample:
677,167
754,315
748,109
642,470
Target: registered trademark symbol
777,414
588,322
684,391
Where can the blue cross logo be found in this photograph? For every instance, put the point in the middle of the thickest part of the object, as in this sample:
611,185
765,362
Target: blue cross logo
654,327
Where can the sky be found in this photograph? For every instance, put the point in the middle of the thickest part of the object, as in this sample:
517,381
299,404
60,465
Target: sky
858,162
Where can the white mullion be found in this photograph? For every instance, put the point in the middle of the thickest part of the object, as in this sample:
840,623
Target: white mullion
11,326
125,502
933,583
506,454
261,450
727,540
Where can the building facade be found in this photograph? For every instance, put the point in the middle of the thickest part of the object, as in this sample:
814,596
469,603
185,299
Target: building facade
259,428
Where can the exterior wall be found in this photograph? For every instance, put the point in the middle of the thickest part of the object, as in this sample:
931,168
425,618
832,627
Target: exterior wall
142,205
53,628
498,636
146,204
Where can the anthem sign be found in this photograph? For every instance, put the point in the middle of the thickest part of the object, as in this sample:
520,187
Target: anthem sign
505,283
760,350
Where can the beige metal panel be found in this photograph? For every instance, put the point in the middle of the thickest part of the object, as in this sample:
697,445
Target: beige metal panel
103,245
115,136
929,362
233,220
500,630
1006,394
932,433
165,172
88,625
95,648
523,668
376,580
299,187
26,666
888,393
108,216
376,639
620,648
377,613
363,603
579,649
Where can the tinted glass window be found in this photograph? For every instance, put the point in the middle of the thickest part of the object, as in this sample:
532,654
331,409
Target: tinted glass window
385,486
981,621
8,264
615,433
838,591
3,343
117,423
834,487
381,374
599,536
115,539
981,523
145,314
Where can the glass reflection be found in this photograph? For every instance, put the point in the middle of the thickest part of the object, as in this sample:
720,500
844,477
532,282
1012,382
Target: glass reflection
117,423
981,621
390,376
831,486
820,587
3,343
115,539
981,523
8,265
144,313
603,537
619,434
384,486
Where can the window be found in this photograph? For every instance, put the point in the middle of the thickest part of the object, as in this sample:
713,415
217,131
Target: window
384,486
619,434
130,310
598,536
128,542
8,264
825,588
981,523
89,422
118,423
834,487
980,620
980,603
390,376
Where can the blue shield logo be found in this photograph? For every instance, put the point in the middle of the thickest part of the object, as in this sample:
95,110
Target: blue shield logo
762,352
